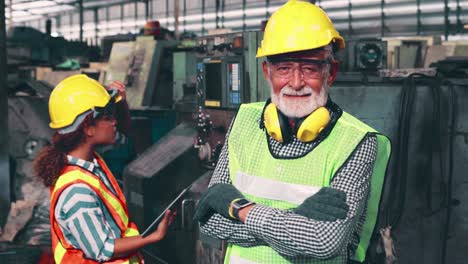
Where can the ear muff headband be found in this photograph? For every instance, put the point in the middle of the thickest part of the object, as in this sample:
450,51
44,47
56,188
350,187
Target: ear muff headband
308,129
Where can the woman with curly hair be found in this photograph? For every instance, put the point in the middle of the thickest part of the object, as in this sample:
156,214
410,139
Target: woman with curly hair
88,214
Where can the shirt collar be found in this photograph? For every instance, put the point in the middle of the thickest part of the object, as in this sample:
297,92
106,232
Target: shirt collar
83,163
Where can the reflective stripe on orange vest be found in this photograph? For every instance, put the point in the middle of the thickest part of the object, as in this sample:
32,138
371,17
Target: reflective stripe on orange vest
116,205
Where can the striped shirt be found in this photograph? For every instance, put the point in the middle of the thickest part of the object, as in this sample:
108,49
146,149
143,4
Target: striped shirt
84,219
299,238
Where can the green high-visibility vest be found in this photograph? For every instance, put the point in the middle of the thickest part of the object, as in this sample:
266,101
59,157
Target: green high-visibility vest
285,183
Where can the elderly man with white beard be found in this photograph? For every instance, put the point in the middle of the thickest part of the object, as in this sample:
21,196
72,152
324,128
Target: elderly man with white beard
299,180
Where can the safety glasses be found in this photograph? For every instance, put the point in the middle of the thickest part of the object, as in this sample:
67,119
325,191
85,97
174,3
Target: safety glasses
308,68
108,111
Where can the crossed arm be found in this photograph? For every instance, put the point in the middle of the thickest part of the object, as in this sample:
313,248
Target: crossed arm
291,234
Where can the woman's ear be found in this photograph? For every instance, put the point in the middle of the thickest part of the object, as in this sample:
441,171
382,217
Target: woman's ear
334,66
90,131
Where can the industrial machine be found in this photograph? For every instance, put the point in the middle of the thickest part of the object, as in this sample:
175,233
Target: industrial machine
28,132
371,55
231,73
27,46
145,66
154,179
363,55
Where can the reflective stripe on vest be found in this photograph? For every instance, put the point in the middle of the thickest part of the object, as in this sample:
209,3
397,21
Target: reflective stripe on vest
272,189
284,183
238,260
59,252
116,205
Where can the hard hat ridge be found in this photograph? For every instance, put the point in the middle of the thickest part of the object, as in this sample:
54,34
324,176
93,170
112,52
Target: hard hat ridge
298,26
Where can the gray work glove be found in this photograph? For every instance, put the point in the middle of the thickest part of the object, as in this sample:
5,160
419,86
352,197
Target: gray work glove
328,204
217,199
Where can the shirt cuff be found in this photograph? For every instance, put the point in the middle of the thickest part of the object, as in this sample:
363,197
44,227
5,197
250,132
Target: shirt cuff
256,219
108,251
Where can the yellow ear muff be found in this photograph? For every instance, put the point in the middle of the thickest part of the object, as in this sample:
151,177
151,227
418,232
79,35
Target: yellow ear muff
313,125
272,122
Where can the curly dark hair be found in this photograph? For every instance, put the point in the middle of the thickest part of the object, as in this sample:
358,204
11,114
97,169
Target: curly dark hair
52,159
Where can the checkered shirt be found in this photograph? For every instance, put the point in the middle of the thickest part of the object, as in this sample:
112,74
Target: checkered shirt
300,239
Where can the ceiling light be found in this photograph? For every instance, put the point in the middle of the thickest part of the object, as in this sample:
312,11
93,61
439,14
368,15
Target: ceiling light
33,4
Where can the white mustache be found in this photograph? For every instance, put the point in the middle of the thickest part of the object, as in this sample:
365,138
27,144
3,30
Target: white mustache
290,91
299,107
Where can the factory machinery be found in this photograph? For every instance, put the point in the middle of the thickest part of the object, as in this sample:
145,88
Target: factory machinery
183,96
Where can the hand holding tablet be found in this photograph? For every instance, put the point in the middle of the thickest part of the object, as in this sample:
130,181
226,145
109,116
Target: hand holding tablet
166,217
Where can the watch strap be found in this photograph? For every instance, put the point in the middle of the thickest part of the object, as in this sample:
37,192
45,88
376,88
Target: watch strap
236,209
231,208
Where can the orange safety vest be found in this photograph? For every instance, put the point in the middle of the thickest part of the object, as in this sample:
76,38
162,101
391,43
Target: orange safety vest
65,253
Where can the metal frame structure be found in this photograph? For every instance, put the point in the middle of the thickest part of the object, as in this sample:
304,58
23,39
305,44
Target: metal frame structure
4,158
355,18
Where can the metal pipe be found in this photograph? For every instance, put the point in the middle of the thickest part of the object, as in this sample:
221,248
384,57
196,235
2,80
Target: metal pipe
446,19
244,2
217,13
222,13
151,7
48,27
418,16
70,22
185,13
80,4
121,16
203,18
136,14
5,197
10,19
58,23
146,10
350,18
167,13
96,28
459,23
176,19
382,18
107,14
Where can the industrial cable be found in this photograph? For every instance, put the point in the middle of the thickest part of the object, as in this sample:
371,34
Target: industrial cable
395,207
454,108
398,183
436,147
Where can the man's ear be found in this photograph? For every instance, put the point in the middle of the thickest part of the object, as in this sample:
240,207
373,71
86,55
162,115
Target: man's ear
334,66
265,70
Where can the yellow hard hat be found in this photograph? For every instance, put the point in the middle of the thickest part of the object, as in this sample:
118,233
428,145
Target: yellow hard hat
74,96
298,26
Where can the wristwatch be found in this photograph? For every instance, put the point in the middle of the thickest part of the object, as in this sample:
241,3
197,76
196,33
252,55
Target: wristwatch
237,205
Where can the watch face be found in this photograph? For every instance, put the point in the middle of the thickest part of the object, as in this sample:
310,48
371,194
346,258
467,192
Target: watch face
241,203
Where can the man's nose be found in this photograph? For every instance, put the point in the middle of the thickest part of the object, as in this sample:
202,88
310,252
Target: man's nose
297,79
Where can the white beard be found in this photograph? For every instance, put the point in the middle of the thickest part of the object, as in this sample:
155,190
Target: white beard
299,107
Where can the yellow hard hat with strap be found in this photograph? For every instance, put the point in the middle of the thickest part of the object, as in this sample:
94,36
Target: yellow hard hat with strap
298,26
74,96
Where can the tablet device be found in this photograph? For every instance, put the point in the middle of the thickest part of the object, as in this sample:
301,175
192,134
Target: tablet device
160,217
